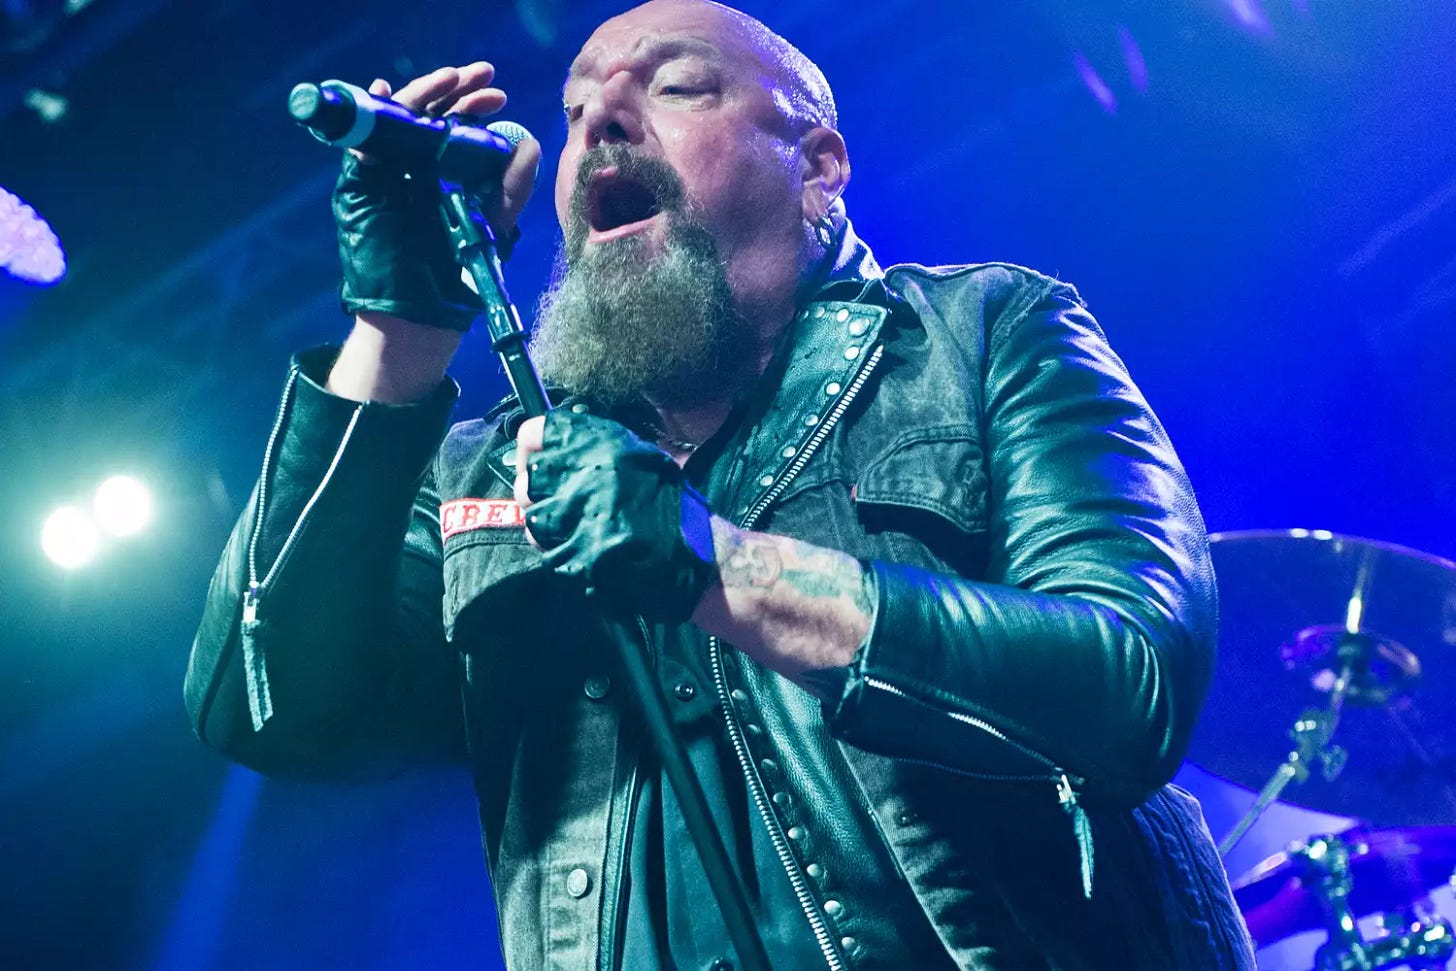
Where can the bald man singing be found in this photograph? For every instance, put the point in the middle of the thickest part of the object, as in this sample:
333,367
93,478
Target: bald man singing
920,574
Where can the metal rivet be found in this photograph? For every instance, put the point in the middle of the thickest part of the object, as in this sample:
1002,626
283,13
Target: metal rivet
842,316
769,766
819,311
752,729
578,883
766,480
833,908
811,421
832,387
783,800
509,458
789,452
847,943
580,408
858,327
738,695
814,870
851,352
797,833
684,691
597,686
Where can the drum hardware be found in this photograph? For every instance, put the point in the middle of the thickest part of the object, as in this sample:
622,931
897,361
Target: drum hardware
1370,672
1374,648
1419,942
1322,632
1328,882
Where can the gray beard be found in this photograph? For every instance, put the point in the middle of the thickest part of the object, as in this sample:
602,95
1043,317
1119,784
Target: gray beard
619,326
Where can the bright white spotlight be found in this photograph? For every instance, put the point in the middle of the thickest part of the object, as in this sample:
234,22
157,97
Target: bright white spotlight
70,538
123,506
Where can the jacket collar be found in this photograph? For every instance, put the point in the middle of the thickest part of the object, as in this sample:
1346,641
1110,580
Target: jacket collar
828,352
852,274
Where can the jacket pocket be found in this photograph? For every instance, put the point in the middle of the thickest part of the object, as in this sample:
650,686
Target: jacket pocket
939,470
922,500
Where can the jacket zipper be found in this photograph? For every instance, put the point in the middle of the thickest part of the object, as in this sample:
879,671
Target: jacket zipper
776,834
260,703
1065,782
812,446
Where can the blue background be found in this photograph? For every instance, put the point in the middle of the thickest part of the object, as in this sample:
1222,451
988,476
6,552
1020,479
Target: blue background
1258,201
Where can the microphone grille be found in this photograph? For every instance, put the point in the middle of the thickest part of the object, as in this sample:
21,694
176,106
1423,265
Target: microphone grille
510,131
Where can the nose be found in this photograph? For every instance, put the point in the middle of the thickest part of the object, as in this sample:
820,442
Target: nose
613,113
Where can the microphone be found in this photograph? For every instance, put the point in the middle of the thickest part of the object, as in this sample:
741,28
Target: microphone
346,116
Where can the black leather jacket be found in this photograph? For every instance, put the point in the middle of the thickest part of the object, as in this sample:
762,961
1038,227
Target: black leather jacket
1042,641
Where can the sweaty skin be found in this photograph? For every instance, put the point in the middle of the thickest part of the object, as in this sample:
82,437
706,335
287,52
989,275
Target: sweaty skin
744,122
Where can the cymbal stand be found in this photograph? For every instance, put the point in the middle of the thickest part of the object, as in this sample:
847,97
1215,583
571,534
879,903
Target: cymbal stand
1312,734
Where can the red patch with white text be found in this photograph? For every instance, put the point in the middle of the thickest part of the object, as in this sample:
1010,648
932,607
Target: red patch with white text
463,515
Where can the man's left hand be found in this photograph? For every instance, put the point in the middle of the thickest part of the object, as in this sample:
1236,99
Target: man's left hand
608,507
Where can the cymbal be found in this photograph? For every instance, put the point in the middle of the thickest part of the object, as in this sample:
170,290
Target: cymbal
1292,604
1390,870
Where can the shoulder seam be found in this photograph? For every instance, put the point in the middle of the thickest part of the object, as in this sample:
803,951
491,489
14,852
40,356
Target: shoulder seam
1026,273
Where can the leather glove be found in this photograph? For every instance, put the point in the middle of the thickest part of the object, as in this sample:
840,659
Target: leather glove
617,511
394,249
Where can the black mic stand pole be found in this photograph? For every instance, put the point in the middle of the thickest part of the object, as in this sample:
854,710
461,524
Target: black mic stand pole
474,246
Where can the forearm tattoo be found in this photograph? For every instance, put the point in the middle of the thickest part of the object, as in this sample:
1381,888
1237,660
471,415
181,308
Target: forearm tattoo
742,562
747,560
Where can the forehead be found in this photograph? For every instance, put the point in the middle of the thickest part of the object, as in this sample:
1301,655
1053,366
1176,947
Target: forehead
663,31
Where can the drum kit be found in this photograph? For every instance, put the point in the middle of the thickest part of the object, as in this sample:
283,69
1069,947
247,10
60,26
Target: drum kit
1334,658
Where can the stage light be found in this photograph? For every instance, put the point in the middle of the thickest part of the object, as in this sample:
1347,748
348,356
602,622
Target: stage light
47,105
1094,83
70,537
29,248
1250,15
122,506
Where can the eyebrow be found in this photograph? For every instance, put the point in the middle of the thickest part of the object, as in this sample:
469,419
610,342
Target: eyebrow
653,50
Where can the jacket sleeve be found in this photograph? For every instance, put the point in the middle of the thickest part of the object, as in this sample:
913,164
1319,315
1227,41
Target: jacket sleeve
343,670
1088,648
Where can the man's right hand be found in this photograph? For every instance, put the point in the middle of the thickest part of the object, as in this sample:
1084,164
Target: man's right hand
400,279
395,254
467,91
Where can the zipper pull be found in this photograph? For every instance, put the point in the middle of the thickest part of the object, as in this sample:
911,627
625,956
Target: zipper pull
250,604
255,670
1081,827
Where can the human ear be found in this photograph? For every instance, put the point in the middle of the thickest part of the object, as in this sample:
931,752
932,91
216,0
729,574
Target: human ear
824,162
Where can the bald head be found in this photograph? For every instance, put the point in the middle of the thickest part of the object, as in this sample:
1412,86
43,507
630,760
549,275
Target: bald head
805,90
800,91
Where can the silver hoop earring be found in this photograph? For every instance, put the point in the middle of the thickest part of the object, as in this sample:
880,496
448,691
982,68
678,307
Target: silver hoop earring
824,230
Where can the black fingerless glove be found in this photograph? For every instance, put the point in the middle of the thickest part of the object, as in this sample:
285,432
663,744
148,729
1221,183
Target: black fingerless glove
617,512
394,249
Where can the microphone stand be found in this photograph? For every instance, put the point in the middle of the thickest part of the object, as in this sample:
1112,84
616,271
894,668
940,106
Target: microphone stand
475,249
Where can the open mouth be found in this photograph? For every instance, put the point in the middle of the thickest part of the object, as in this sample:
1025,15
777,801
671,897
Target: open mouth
618,203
